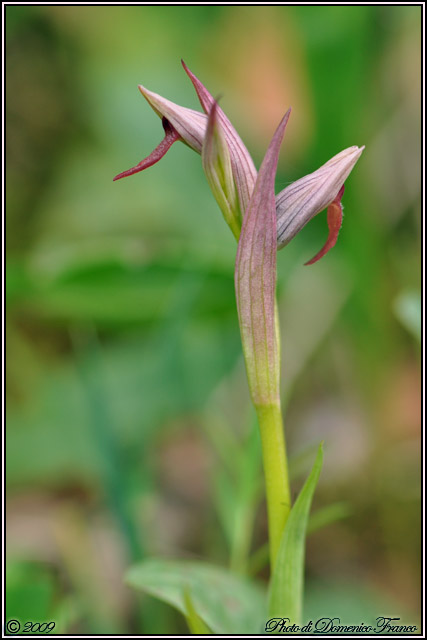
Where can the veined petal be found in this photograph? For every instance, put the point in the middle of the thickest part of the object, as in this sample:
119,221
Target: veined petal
255,281
190,124
244,171
217,166
302,200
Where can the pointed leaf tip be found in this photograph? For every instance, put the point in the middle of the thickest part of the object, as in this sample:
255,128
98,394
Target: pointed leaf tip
334,217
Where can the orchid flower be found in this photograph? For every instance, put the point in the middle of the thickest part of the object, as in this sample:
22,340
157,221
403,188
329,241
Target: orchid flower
262,223
296,205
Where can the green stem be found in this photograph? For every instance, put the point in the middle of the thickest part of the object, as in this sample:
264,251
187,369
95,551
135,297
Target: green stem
276,473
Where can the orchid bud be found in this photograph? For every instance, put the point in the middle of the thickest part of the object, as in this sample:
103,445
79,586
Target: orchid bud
244,171
217,167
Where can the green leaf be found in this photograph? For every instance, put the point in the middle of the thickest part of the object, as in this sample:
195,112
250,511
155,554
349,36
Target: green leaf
286,593
195,623
226,603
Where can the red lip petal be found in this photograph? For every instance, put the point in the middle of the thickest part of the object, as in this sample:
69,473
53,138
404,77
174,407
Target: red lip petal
171,136
334,224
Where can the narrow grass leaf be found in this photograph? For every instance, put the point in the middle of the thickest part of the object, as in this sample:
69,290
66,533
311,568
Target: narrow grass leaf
287,585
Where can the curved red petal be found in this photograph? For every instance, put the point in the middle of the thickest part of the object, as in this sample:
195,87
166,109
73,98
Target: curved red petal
171,136
334,224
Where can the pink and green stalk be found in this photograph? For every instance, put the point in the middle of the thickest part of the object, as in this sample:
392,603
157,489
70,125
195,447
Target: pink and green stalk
255,281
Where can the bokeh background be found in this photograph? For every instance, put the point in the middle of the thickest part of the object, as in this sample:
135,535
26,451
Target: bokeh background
130,431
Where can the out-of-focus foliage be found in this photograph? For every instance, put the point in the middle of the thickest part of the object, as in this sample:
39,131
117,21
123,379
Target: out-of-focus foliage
226,602
129,426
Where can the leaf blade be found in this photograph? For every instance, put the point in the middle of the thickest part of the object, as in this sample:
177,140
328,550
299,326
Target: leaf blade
194,621
287,581
226,603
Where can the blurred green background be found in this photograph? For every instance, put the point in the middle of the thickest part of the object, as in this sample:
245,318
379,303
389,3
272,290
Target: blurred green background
130,431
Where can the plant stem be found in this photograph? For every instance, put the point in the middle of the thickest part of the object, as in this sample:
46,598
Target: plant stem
276,473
